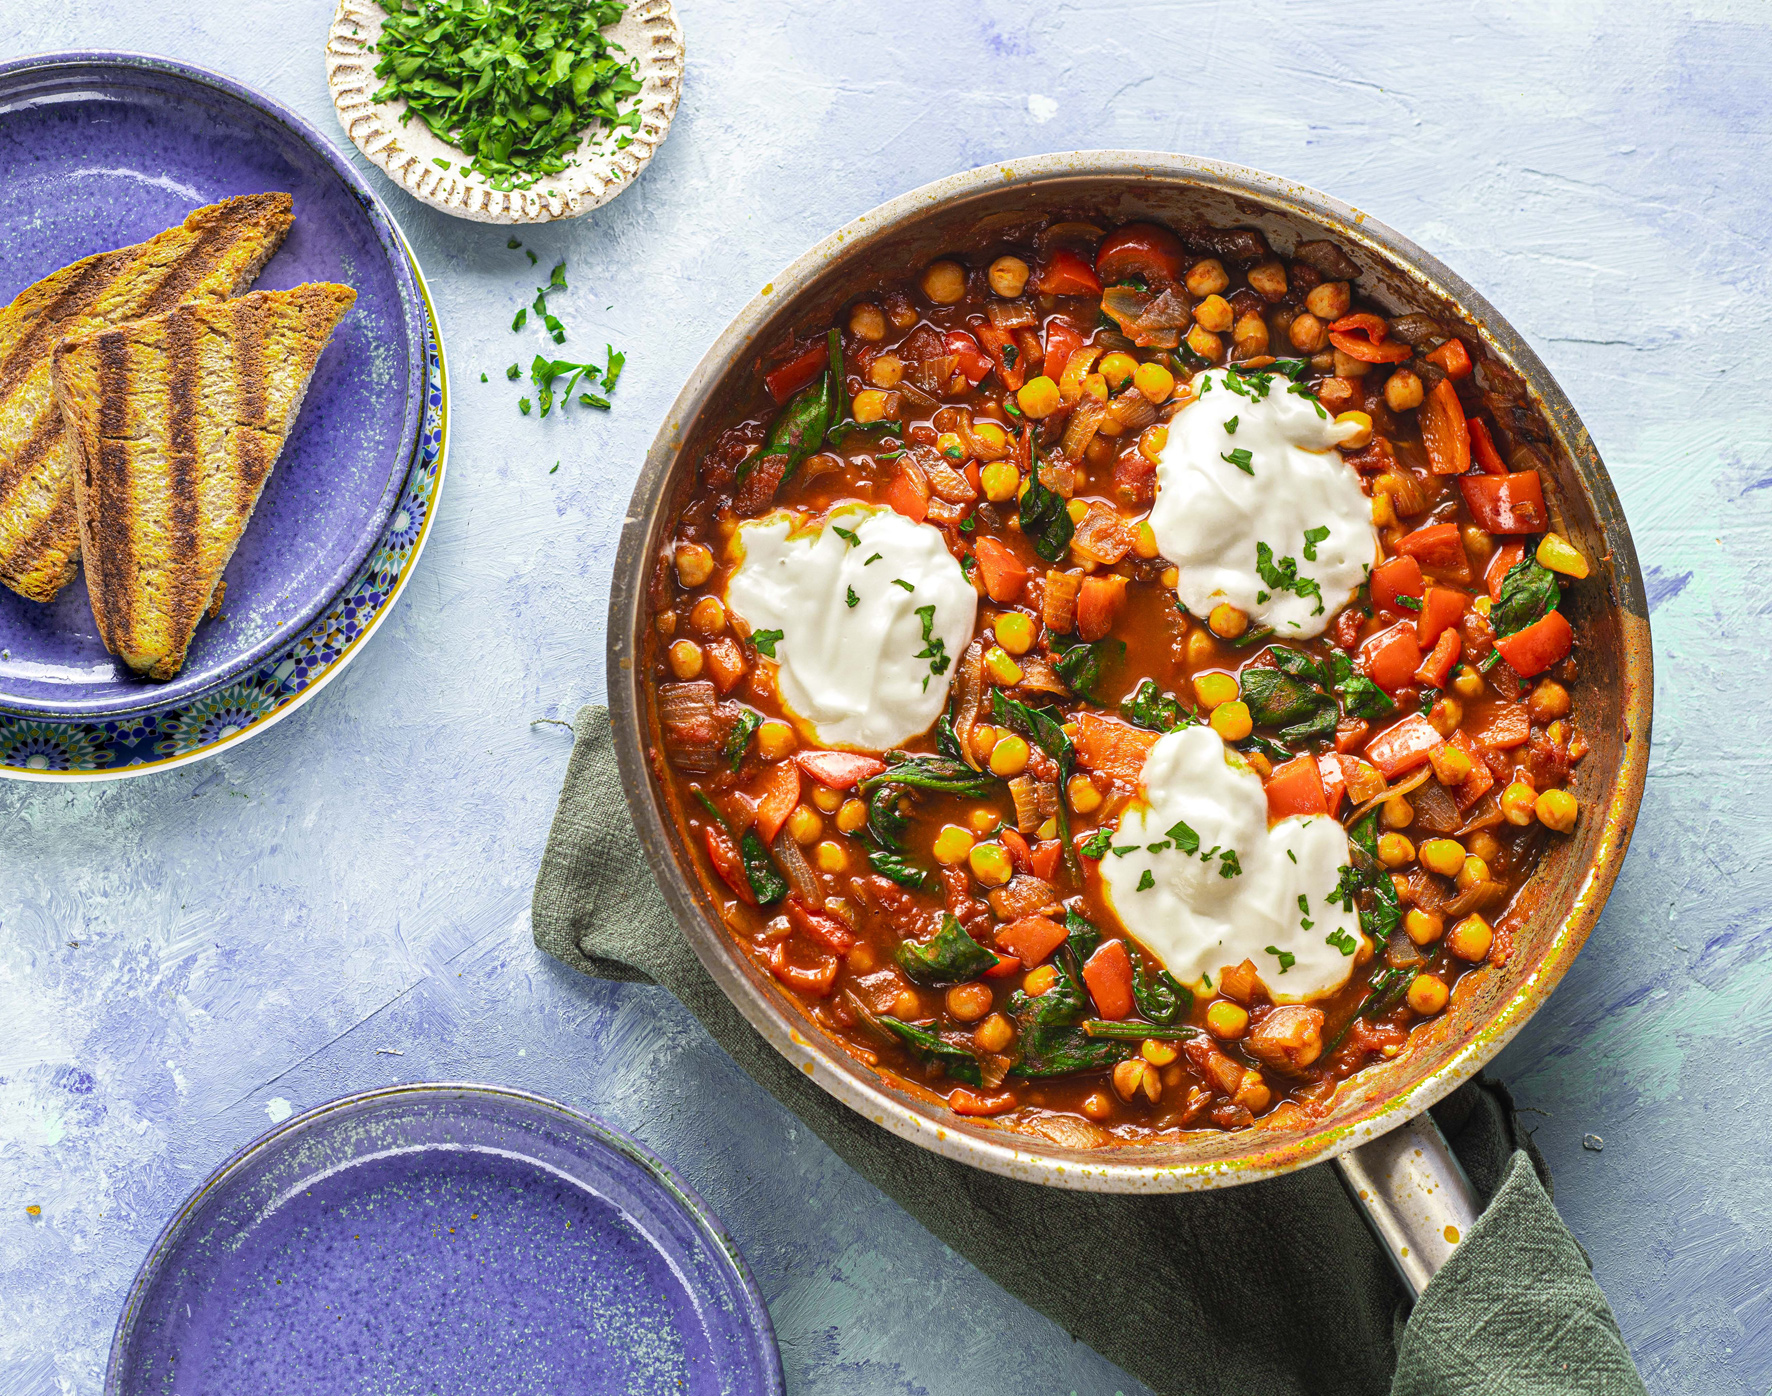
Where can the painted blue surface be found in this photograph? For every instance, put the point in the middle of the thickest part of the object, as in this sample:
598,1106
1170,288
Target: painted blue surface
185,956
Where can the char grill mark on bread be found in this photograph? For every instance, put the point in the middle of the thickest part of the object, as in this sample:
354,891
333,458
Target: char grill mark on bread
176,422
215,252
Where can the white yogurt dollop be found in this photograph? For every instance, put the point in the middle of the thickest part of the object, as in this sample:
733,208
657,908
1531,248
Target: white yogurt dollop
866,627
1211,512
1165,875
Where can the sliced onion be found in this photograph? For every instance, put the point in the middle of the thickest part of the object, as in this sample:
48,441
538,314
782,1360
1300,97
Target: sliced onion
1011,315
1132,410
1076,369
1041,677
1081,428
1486,814
1124,305
1479,896
1416,329
1081,236
976,446
1435,809
968,696
691,726
1167,312
1400,788
797,870
1027,806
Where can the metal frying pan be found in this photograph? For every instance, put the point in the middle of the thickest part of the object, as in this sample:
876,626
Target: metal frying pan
1391,1155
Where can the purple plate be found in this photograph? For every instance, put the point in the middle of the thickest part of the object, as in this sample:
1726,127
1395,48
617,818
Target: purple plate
456,1238
98,150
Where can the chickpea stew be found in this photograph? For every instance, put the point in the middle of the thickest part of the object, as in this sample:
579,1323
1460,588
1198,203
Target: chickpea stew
1119,683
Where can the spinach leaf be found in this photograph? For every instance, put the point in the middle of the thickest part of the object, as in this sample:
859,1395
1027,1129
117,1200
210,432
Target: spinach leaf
1360,697
945,740
1159,996
901,870
1052,1043
1388,988
1297,707
1380,913
1080,663
1136,1032
1527,593
1082,937
740,740
941,774
766,882
885,822
800,429
1299,665
1042,725
1156,711
948,957
956,1061
1046,520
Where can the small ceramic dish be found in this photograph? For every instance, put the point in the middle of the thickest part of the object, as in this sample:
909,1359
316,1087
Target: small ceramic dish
648,32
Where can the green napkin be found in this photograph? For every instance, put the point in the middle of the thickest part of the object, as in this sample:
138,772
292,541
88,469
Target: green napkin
1274,1287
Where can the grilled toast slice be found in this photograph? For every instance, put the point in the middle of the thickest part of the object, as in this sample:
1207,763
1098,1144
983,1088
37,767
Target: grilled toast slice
215,252
175,423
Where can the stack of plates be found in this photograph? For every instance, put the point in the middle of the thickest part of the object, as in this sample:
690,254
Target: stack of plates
102,150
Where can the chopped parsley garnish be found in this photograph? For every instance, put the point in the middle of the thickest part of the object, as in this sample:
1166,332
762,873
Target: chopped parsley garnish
1230,425
765,640
483,378
1286,958
853,599
967,524
514,372
1121,850
1096,845
1312,537
847,535
934,647
1487,662
1228,866
1290,854
523,405
1185,838
1304,903
872,560
1239,458
1342,941
901,582
521,320
1145,881
954,453
1409,603
1283,576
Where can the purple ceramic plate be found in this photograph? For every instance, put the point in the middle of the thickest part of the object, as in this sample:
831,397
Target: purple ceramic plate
98,150
456,1238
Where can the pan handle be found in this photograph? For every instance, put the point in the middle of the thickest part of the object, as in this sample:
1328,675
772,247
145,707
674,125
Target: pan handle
1414,1195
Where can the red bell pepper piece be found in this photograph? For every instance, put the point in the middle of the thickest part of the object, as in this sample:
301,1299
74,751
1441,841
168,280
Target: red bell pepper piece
1506,503
1394,577
1109,977
838,770
1391,657
1006,965
1061,342
1403,746
1350,732
973,361
1295,788
1003,575
1507,557
1067,274
1030,939
1005,355
781,792
1437,666
1334,777
908,491
796,373
1453,358
1362,336
1437,545
964,1102
1140,249
1097,605
820,926
1481,780
1044,862
1019,852
1545,642
1441,608
1483,447
1443,432
1510,725
723,854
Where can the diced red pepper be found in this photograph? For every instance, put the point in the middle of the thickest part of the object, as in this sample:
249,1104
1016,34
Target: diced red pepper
1545,642
1350,732
820,926
1437,545
1391,657
964,1102
1362,336
1453,358
1441,609
1506,503
1507,557
1481,780
1403,746
1002,572
1510,725
1483,447
908,492
1067,274
1006,965
723,854
973,361
1116,749
1140,249
1019,852
839,770
1334,777
1437,667
797,372
1295,788
1394,577
781,792
1030,939
816,982
1097,605
1109,977
1061,342
1044,863
1005,355
1443,432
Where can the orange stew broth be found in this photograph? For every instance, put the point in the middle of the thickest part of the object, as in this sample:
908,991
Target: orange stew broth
1495,739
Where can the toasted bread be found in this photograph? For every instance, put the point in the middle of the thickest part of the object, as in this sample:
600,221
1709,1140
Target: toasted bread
215,252
175,423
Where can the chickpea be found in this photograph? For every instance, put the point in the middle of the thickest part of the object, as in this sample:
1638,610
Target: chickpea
775,739
1402,391
1152,442
1144,537
952,845
1206,344
1154,381
1008,277
867,321
1001,481
1039,980
944,282
708,615
1338,394
1233,721
1427,995
1227,1021
1201,648
1360,435
969,1002
1396,813
1469,682
908,1004
695,564
1227,622
1471,938
830,857
1475,870
887,371
1009,757
1444,856
828,800
1329,300
1207,278
990,864
1098,1106
1557,809
1423,927
994,1034
1038,397
1308,334
1347,366
1249,335
686,659
1157,1052
667,623
1484,845
1518,802
1137,1077
1477,542
1117,368
1015,631
1099,451
1395,851
1268,279
804,825
1215,688
1085,798
1445,715
1549,701
1214,313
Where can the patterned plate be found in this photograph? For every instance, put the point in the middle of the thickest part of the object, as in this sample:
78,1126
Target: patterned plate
160,738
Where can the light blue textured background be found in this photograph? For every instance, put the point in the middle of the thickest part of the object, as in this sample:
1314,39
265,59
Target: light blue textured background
185,956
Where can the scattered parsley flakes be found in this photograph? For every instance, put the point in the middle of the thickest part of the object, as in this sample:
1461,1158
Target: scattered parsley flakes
1290,854
483,378
556,467
1283,576
765,641
1228,866
1409,603
847,535
514,372
900,582
521,320
523,405
1096,845
872,560
1312,537
1185,838
1342,941
1239,458
1145,881
1286,958
853,599
934,647
1230,425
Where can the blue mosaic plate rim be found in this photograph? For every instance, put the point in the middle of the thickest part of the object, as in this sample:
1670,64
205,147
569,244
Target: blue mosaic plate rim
160,739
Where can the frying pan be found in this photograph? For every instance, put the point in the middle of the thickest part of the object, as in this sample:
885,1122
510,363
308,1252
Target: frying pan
1391,1156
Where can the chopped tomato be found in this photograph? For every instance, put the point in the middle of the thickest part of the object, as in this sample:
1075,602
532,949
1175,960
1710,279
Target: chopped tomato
1295,788
1543,643
1061,342
1109,977
1507,557
781,792
965,1102
838,770
1005,355
1135,478
1097,605
1506,503
797,372
724,856
1391,657
1453,358
1334,777
1437,667
1030,939
1437,545
1044,862
1004,576
973,361
1067,274
1139,249
1483,447
1508,726
816,982
1394,577
909,491
1441,609
1403,746
1443,432
820,926
1116,749
1481,780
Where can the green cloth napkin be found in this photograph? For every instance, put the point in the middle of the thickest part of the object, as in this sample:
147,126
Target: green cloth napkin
1274,1287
